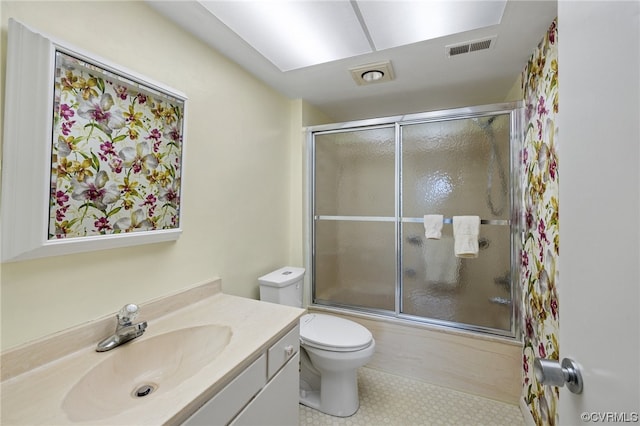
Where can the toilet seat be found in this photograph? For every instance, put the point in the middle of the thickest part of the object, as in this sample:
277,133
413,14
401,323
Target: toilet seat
332,333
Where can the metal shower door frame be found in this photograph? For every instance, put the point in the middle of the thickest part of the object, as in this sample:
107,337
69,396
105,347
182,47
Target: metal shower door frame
515,110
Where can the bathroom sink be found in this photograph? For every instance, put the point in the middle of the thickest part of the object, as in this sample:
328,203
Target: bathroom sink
141,369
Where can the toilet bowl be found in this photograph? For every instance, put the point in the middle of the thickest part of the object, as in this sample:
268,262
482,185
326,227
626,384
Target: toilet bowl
329,364
332,348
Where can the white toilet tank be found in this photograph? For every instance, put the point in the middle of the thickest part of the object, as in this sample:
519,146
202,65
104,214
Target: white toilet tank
283,286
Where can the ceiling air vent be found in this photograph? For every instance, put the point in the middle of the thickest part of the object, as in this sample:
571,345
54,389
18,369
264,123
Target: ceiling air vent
470,46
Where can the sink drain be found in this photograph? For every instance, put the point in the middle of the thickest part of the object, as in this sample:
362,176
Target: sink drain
143,390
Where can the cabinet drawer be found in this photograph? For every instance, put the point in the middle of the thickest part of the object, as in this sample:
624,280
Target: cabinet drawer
223,407
283,350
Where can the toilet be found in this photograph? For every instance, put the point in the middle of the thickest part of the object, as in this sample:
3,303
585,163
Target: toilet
332,348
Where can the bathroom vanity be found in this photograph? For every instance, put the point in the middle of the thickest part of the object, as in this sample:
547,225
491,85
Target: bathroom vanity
207,358
254,398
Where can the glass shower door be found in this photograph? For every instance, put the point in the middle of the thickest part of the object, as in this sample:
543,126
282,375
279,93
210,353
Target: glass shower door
454,168
354,217
372,184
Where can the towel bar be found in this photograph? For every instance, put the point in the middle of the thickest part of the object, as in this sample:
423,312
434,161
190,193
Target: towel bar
449,220
446,220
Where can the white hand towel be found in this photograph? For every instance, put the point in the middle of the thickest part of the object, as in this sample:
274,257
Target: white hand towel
433,226
442,270
465,234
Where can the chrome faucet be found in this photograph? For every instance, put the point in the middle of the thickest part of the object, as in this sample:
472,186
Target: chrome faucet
125,329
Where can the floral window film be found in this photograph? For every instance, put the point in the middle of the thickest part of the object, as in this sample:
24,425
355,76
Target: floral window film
116,159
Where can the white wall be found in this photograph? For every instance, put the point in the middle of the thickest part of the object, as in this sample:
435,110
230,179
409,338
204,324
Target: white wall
599,83
236,196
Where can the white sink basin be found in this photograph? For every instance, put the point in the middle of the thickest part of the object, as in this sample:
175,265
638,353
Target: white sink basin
135,372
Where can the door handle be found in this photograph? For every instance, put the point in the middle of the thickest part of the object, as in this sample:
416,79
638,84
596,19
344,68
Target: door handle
550,372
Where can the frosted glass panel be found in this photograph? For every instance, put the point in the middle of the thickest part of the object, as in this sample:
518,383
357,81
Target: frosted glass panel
371,190
438,285
457,167
355,173
355,264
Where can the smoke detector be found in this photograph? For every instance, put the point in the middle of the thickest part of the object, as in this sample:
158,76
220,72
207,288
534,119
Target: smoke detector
470,46
372,73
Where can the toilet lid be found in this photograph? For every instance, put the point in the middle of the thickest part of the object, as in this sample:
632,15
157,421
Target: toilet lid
332,333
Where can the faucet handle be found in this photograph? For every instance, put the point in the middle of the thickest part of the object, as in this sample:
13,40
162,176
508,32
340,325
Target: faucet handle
127,314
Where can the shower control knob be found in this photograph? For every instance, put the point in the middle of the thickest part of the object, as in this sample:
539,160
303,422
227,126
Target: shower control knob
551,373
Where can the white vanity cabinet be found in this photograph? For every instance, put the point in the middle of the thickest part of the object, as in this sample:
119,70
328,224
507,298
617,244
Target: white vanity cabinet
265,393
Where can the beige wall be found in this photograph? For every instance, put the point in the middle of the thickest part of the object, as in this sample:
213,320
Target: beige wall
515,93
302,114
237,198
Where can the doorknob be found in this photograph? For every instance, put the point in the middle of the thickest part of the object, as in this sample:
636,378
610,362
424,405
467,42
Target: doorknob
551,373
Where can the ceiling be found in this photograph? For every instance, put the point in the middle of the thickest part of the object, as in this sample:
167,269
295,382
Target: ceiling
425,77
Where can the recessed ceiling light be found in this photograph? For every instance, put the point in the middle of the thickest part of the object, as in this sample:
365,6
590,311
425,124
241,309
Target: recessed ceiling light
372,73
371,76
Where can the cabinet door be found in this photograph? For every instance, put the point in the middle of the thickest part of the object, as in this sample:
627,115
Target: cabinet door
230,400
277,403
282,351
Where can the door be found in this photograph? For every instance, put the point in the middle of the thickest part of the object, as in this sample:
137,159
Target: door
456,167
599,98
354,218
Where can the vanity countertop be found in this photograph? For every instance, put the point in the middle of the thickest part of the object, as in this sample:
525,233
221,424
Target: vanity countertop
36,381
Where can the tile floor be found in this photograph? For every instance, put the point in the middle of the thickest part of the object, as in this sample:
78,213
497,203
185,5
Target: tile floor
387,399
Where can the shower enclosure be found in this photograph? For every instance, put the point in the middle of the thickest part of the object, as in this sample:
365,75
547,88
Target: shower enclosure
372,182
